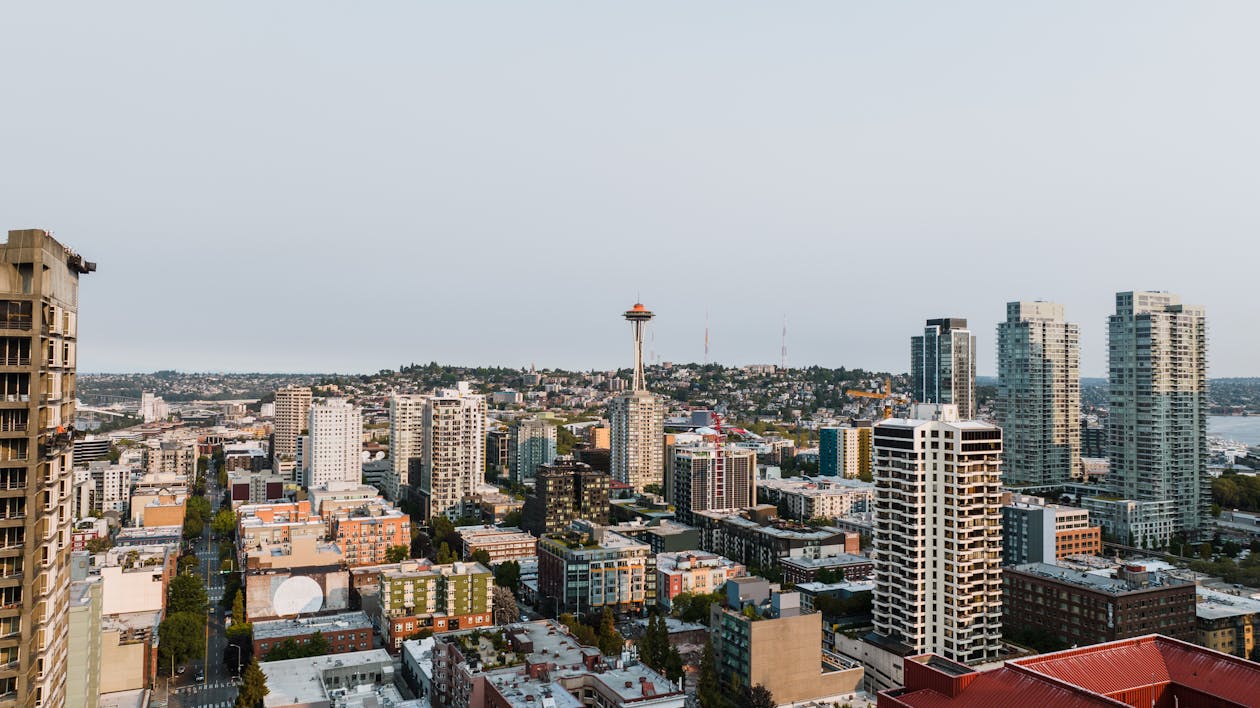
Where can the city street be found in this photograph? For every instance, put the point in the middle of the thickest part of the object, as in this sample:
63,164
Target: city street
219,688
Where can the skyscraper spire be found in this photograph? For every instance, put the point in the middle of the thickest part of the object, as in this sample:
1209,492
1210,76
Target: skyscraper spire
638,316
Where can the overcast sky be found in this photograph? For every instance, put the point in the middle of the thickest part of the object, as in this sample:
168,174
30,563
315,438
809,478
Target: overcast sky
311,186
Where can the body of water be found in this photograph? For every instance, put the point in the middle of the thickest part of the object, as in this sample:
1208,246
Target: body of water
1243,428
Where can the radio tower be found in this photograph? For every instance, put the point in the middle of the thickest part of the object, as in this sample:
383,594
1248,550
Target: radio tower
783,346
706,337
638,316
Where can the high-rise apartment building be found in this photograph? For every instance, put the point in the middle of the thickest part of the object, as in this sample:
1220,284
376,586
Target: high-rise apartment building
38,335
1158,404
453,463
406,444
637,421
943,365
531,444
938,534
1039,394
845,451
335,452
293,406
563,492
711,475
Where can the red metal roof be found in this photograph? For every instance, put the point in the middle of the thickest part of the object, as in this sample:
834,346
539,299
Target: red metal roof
1004,688
1145,671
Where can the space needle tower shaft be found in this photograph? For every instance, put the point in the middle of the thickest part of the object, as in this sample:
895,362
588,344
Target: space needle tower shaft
638,316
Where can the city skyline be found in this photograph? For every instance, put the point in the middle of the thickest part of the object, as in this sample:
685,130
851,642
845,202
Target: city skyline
548,141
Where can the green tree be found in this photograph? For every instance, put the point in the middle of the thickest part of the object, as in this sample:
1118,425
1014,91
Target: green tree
253,687
758,697
224,523
654,488
181,638
100,544
444,554
609,640
187,563
482,556
193,525
203,464
440,529
186,594
508,574
512,519
199,507
709,687
565,440
394,554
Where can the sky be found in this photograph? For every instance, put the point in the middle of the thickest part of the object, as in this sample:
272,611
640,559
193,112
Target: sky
318,186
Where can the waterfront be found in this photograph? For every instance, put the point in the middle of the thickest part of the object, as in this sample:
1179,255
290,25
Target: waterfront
1240,428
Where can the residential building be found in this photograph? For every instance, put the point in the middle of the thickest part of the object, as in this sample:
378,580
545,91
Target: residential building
1094,440
845,451
90,449
565,491
759,540
543,667
711,475
406,443
943,365
590,568
111,486
694,572
822,497
637,421
255,487
501,544
453,463
83,664
345,632
171,457
1087,607
762,638
938,536
134,581
1036,532
1146,671
1039,394
38,342
366,533
1143,524
153,408
1157,418
497,458
599,437
415,596
1227,623
531,444
161,508
293,405
336,443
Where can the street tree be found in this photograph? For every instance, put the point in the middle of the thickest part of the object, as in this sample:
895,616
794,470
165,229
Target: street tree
394,554
186,594
182,636
253,687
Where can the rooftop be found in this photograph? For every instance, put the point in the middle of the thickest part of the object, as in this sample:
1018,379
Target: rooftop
838,559
1218,605
276,629
300,681
1098,581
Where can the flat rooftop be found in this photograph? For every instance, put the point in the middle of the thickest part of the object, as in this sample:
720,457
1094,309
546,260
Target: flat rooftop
300,681
840,559
1098,581
278,629
1219,605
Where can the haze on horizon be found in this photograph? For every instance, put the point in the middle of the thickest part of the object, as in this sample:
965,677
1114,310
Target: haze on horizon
313,186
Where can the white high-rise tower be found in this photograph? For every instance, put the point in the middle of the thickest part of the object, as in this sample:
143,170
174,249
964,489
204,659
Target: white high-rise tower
406,444
637,421
453,463
335,452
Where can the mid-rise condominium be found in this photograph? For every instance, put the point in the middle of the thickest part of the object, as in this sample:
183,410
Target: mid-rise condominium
637,421
1158,404
943,365
293,407
453,463
406,444
38,340
845,451
711,475
1039,394
335,452
938,534
531,444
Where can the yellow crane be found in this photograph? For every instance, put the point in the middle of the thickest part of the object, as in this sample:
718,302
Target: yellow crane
886,396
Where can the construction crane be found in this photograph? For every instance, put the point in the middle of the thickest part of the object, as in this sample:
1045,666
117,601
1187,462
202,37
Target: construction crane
886,396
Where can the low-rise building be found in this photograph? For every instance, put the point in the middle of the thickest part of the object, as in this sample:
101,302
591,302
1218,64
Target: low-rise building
1145,524
846,566
540,666
1088,607
760,637
694,572
758,539
345,632
501,544
334,681
245,487
821,497
366,533
1036,532
1227,623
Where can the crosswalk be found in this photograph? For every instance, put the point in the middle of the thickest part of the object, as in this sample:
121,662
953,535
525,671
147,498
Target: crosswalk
198,688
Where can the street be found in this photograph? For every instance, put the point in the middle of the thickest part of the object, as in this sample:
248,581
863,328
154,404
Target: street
219,688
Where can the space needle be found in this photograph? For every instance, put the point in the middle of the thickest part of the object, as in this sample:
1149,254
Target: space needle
638,316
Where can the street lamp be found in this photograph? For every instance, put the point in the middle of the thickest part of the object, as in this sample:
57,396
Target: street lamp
237,647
